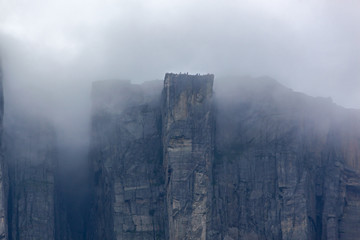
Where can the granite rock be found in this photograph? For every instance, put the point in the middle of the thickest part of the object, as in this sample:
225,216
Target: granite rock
126,158
255,160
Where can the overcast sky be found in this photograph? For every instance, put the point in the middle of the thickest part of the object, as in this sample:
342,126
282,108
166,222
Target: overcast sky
311,46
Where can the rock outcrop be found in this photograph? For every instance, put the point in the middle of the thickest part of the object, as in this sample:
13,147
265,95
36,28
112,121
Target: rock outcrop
254,161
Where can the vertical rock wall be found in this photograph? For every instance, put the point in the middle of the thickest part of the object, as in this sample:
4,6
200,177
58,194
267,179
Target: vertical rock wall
29,200
126,158
282,165
262,163
152,163
188,153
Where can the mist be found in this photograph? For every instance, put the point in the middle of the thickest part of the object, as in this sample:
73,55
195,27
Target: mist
52,51
60,47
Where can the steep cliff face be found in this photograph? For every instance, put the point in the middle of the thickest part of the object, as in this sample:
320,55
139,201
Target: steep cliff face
31,205
282,167
126,156
31,158
188,148
257,161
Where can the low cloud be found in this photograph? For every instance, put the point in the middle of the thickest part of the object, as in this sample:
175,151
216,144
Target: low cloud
52,50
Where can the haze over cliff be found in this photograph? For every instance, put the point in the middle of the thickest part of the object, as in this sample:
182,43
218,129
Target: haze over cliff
198,164
178,160
310,46
52,51
94,147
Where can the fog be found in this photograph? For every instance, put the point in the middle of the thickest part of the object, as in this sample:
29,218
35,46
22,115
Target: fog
51,51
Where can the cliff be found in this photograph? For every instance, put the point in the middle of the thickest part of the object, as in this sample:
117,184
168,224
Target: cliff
287,163
254,160
188,149
31,205
126,157
31,157
178,160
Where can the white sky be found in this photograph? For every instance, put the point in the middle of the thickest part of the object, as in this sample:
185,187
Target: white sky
309,45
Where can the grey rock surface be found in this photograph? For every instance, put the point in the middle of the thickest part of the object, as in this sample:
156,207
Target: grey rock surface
282,164
188,147
254,161
177,160
126,157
